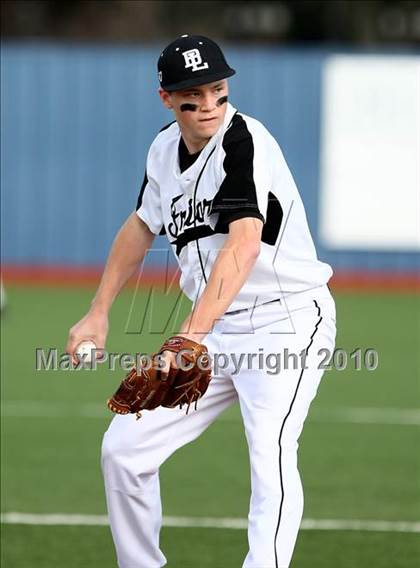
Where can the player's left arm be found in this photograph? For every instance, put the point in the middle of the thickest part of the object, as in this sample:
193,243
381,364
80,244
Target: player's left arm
230,271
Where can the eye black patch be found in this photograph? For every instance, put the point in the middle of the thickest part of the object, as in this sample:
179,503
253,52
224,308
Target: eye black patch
188,107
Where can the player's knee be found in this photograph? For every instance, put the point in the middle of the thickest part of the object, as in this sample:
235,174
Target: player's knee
113,451
106,452
118,454
117,468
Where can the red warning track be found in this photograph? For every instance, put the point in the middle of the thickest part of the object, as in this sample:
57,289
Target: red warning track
89,276
75,276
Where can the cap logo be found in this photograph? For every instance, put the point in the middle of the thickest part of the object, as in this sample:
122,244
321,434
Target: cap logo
193,60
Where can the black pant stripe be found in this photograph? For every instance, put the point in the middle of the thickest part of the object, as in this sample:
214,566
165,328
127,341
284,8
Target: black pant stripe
282,428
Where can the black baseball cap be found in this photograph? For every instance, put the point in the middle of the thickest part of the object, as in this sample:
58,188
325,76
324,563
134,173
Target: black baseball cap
190,61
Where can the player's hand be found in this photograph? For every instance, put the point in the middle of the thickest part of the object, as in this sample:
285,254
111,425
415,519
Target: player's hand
168,359
94,327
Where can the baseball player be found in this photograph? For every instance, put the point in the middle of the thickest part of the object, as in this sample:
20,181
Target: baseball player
218,186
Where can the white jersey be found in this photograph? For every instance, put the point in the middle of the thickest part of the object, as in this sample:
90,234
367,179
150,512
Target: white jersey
241,172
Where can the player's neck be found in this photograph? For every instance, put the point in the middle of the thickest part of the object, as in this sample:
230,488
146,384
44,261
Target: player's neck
194,145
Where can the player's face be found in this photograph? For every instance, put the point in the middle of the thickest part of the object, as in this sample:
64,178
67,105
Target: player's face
199,111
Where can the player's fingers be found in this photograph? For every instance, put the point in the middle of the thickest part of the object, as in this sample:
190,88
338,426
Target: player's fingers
75,339
71,346
170,357
167,362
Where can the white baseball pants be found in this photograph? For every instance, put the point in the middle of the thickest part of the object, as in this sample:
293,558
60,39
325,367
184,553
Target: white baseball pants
273,405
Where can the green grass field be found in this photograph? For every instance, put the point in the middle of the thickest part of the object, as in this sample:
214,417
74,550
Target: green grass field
358,457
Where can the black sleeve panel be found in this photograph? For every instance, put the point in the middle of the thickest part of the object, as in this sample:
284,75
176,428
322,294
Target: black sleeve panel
237,191
226,218
143,187
140,199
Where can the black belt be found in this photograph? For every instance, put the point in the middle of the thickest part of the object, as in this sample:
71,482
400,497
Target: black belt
251,308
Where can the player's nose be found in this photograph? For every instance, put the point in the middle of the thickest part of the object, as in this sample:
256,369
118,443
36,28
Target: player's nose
208,102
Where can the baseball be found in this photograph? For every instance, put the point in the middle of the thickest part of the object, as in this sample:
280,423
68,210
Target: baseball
84,351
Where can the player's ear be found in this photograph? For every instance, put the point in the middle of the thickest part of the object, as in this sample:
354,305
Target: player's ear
166,98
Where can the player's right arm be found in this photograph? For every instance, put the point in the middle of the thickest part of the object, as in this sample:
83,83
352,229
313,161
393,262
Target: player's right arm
127,252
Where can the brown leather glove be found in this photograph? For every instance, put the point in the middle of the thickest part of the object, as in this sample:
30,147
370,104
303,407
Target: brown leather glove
146,389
